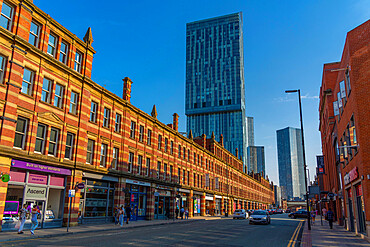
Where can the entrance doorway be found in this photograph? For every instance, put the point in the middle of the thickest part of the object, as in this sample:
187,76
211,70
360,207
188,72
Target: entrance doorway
162,204
40,206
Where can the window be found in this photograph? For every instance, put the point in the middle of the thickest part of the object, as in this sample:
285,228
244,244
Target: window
34,34
132,131
188,154
195,159
164,171
348,82
52,44
69,145
171,147
149,137
117,126
158,169
194,179
103,155
93,110
141,133
159,142
198,180
188,178
58,97
6,16
166,145
198,159
78,61
90,151
178,175
183,152
106,117
115,158
179,151
147,166
130,161
27,83
171,170
2,68
53,141
46,90
73,104
40,138
139,164
183,176
20,133
63,52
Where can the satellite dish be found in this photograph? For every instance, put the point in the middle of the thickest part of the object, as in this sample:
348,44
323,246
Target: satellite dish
5,178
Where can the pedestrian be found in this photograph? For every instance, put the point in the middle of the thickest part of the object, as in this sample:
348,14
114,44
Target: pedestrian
330,216
177,212
121,216
128,212
186,214
324,212
167,213
22,218
182,210
313,216
116,215
35,213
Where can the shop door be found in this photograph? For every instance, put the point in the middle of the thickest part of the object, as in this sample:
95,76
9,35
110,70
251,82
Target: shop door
352,223
41,206
133,204
361,214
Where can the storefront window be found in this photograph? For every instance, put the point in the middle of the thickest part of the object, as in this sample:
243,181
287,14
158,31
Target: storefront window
96,202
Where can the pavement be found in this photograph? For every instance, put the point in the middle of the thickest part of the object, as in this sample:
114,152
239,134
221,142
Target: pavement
321,236
62,231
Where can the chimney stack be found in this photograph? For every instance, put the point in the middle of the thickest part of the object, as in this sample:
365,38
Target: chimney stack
204,140
237,153
127,89
222,140
175,121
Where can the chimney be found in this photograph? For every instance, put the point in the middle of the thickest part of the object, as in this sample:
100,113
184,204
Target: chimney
127,89
237,153
204,140
175,121
222,140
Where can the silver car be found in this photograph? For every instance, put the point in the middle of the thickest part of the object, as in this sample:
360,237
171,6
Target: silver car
259,217
240,214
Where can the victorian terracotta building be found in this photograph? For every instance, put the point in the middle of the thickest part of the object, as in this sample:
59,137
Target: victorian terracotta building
65,140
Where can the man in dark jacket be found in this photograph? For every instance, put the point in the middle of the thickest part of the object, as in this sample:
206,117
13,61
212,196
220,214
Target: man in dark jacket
177,212
330,216
128,212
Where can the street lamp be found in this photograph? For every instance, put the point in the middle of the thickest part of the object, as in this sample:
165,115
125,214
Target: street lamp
304,154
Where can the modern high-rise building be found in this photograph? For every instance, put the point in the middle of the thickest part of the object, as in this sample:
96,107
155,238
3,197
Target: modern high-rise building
250,131
290,160
215,80
256,159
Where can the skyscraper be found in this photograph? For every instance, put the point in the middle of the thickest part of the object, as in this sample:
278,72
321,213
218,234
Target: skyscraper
250,131
215,80
290,160
256,159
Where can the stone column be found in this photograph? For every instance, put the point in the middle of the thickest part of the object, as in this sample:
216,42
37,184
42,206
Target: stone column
5,169
190,203
203,205
222,206
150,203
75,200
229,206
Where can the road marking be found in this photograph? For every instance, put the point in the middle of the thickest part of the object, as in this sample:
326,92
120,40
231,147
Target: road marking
295,234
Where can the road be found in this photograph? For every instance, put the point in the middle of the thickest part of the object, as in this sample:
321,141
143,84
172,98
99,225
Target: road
221,232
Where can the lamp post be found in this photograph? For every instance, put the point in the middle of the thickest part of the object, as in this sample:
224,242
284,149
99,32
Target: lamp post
304,154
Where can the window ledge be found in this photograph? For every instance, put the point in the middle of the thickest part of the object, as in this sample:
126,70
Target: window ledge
29,96
51,105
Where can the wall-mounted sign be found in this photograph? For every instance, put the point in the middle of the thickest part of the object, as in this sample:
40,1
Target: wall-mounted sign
71,193
40,168
320,164
340,103
129,181
80,186
35,192
351,176
342,89
336,108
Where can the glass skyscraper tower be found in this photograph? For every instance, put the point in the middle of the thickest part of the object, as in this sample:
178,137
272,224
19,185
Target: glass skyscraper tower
215,80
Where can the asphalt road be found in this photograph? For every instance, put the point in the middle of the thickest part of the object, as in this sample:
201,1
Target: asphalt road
224,232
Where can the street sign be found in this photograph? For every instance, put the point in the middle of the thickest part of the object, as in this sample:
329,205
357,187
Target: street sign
5,178
71,193
320,164
331,195
80,186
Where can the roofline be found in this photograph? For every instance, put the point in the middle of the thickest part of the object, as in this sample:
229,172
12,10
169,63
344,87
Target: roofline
214,18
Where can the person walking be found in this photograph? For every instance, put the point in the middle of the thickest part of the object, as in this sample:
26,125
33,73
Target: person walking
22,218
116,215
128,212
313,216
177,212
186,214
182,210
324,212
121,215
35,213
330,216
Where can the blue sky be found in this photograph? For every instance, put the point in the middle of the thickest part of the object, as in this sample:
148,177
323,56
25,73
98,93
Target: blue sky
286,44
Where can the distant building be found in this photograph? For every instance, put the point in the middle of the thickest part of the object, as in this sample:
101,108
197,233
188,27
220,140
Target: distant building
290,160
215,100
256,159
250,131
277,192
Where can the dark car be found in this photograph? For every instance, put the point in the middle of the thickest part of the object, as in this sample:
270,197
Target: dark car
298,214
288,211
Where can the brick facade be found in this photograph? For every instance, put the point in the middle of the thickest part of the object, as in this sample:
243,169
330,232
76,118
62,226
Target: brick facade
87,114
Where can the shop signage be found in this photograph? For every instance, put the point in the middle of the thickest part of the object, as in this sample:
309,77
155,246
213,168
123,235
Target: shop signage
40,168
35,192
340,103
183,190
129,181
218,197
359,190
80,186
37,179
209,198
320,164
336,108
342,89
71,193
5,178
350,176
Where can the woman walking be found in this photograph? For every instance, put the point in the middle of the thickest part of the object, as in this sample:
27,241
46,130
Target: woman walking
35,213
121,215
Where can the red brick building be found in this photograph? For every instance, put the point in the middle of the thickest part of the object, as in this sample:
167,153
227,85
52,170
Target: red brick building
345,131
60,129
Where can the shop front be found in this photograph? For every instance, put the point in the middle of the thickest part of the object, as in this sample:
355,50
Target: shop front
196,203
360,208
97,199
136,197
209,204
162,203
35,184
218,205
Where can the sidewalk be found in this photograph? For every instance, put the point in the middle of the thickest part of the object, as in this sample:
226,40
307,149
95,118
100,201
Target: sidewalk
324,236
53,232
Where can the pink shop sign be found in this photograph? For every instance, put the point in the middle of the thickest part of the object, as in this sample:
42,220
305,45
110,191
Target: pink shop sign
37,179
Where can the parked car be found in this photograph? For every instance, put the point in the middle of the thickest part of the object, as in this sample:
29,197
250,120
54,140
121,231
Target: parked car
240,214
279,211
288,211
259,217
298,214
